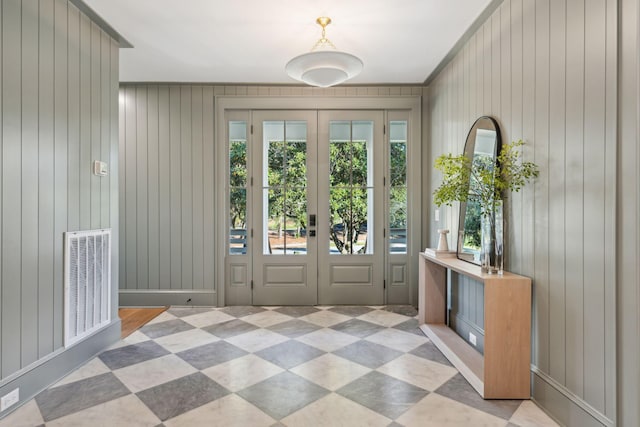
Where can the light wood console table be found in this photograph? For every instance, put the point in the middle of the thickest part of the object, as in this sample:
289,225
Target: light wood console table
504,372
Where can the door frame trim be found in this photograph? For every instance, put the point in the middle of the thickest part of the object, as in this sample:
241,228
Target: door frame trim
229,103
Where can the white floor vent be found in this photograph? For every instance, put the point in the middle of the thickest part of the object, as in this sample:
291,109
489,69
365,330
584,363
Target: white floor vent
87,278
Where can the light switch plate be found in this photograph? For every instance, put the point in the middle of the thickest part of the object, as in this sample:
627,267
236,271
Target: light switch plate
100,168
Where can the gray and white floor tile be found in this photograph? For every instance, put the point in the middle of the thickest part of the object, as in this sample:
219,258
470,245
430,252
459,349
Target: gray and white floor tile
273,366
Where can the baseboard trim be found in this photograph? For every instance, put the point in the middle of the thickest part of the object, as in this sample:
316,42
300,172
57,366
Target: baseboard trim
162,297
53,367
562,404
463,326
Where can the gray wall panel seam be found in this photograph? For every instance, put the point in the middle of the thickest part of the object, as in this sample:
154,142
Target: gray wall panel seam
1,176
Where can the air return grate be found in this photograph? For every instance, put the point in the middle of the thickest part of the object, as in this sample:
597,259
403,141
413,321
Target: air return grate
87,290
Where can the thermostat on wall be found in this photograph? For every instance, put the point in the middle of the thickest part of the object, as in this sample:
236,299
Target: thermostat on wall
99,168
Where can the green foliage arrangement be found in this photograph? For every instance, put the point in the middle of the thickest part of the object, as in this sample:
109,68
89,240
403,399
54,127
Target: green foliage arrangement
483,180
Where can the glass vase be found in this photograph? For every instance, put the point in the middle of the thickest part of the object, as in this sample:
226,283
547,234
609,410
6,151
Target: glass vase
492,248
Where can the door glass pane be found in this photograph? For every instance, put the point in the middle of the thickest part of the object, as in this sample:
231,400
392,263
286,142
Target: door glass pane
274,224
285,187
237,187
350,187
296,167
340,164
398,187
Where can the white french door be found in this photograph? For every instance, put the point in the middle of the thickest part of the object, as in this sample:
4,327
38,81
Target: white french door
319,206
285,255
318,203
350,207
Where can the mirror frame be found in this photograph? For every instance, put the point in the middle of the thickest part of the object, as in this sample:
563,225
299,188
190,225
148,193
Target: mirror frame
487,123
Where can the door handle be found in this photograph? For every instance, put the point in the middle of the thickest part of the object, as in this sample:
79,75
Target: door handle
312,220
312,233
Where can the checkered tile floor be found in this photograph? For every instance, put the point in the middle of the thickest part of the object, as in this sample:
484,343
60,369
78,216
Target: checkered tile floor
273,366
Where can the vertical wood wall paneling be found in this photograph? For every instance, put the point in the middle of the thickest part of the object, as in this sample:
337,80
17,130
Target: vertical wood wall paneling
527,195
154,230
164,188
47,121
613,235
85,123
95,152
141,182
50,333
129,225
473,76
628,215
122,196
540,143
73,121
46,169
28,258
114,193
515,212
186,132
548,74
105,128
557,81
594,206
504,115
574,196
487,73
11,190
175,201
466,88
197,186
1,180
168,181
208,173
496,66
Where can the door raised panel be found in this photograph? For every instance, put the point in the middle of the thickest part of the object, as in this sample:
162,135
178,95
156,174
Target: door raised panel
285,275
351,275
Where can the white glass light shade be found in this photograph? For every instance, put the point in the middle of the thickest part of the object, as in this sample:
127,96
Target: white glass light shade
324,68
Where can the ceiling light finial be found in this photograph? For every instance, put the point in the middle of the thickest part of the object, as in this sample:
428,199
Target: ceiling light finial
324,66
323,21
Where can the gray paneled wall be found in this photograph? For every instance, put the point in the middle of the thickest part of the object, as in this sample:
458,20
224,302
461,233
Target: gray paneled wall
59,113
167,186
546,70
466,313
628,215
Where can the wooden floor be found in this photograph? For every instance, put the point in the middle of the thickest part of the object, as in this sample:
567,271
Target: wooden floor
134,318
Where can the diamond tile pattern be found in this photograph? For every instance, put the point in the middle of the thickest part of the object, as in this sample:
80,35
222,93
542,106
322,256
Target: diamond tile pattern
283,394
132,354
273,366
383,394
289,354
357,328
169,327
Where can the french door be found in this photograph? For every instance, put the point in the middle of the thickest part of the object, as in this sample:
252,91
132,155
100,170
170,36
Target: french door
285,244
317,207
350,194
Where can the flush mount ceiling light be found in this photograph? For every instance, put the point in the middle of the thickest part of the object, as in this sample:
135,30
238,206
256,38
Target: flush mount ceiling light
324,66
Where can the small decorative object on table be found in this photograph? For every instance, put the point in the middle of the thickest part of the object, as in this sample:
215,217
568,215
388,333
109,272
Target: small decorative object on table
442,243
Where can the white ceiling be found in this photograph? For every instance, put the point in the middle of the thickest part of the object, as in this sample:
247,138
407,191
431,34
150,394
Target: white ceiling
250,41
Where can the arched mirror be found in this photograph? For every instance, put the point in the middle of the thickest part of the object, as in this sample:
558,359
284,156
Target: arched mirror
483,143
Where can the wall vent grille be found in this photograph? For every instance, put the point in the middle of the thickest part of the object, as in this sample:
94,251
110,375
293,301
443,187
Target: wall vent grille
87,290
